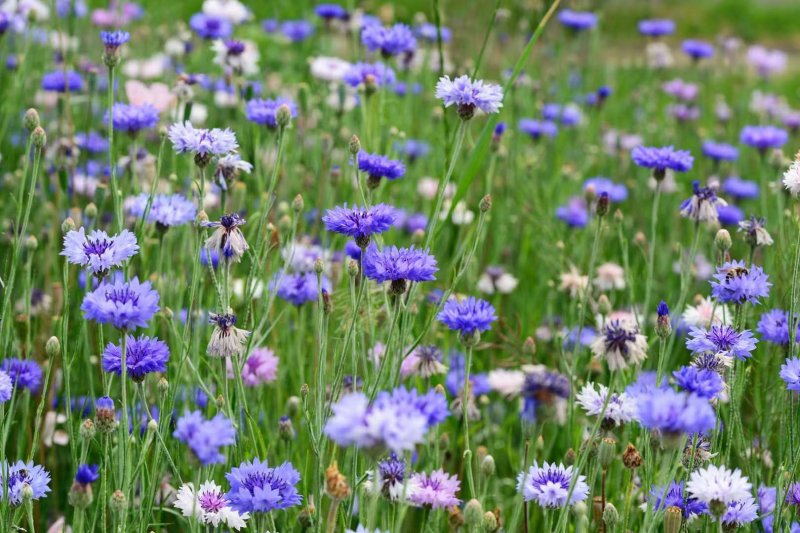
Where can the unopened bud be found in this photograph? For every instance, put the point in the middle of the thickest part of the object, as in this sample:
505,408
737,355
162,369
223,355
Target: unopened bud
201,217
486,203
163,385
118,501
601,208
68,225
31,120
473,513
87,430
631,458
298,204
319,265
489,522
455,517
723,240
286,428
31,242
604,305
38,137
220,401
53,347
487,466
569,457
304,390
355,145
283,116
607,451
152,426
672,519
352,268
610,516
293,405
90,210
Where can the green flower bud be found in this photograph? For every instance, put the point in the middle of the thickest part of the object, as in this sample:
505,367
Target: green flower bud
53,347
31,120
473,513
39,137
610,516
672,520
723,240
607,451
355,145
283,116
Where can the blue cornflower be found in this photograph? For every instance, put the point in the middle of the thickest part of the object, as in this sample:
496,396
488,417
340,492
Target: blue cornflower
729,215
656,27
673,496
577,20
99,252
352,250
24,373
670,412
21,474
143,355
737,283
722,339
763,137
61,82
123,304
774,327
468,95
468,316
92,142
6,386
297,30
299,288
205,437
740,189
432,404
114,39
399,265
402,89
703,382
133,118
413,149
454,381
790,374
574,213
87,474
738,513
392,41
360,222
379,166
201,142
697,49
211,26
428,32
264,111
720,151
617,192
542,387
703,205
165,211
549,485
258,488
661,159
536,129
370,75
331,11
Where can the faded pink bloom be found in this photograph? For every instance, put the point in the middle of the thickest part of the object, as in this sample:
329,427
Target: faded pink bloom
437,489
261,367
156,94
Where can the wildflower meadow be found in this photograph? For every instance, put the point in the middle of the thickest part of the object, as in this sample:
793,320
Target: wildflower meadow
409,266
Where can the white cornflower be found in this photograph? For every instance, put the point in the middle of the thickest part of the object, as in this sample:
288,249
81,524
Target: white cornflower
620,408
573,283
791,178
610,276
718,484
226,340
621,344
209,506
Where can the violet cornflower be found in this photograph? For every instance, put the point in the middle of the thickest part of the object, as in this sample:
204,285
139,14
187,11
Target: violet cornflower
166,211
133,118
468,95
258,488
143,355
577,20
737,283
763,138
98,251
211,26
202,143
61,82
697,49
656,27
399,266
23,373
379,166
436,490
264,112
391,41
300,287
23,475
123,304
661,159
205,437
722,339
468,317
360,222
369,75
549,485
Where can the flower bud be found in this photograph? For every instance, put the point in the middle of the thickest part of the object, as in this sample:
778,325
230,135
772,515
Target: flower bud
118,501
283,116
489,522
601,207
610,516
487,466
31,120
663,323
90,210
293,405
53,347
201,217
31,242
298,204
473,513
607,451
286,428
220,401
152,426
304,390
454,517
87,430
335,483
38,137
163,385
319,265
486,203
68,225
672,519
355,145
723,240
632,459
26,492
352,268
604,305
569,457
529,346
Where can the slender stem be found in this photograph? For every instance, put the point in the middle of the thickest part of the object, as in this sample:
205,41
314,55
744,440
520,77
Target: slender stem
115,192
651,260
465,416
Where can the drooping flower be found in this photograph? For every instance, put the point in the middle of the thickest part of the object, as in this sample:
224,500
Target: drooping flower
227,240
548,485
208,505
790,373
20,475
669,412
123,304
379,166
98,251
469,316
468,95
702,205
143,355
258,488
718,484
621,344
399,266
166,211
205,437
226,340
265,112
24,373
620,408
360,222
720,338
299,288
736,283
437,490
755,232
389,41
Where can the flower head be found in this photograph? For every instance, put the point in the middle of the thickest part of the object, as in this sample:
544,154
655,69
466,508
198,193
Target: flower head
670,412
702,205
437,489
208,505
260,367
165,210
6,386
468,95
360,222
620,408
542,386
423,361
331,11
123,304
379,166
621,344
391,41
763,137
229,167
656,27
369,75
724,339
299,288
186,138
697,49
720,151
87,474
790,374
132,118
265,111
577,20
548,485
718,484
205,437
61,82
467,316
21,475
399,265
755,232
662,159
23,373
211,26
226,340
114,39
791,178
391,474
536,129
704,382
98,251
736,283
297,30
227,240
673,496
143,355
739,513
740,189
258,488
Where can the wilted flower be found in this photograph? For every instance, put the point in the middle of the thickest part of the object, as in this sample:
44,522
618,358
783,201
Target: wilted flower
621,344
227,239
226,340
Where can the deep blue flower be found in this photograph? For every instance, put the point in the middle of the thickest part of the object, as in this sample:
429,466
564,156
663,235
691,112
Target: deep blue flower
663,158
467,316
399,265
379,166
61,82
720,151
258,488
133,118
722,339
391,41
656,27
536,129
763,137
774,327
729,215
428,32
123,304
360,222
669,412
352,250
87,474
264,111
703,382
737,283
373,74
143,355
299,288
574,213
211,26
617,192
24,373
205,437
673,496
697,49
577,20
114,39
739,188
331,11
22,474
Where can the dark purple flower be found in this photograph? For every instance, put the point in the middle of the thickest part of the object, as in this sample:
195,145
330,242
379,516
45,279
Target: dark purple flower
87,474
379,166
722,339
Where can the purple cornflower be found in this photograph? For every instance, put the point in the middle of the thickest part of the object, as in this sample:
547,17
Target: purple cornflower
24,373
428,32
467,95
793,494
211,26
123,304
112,40
133,118
720,151
299,288
61,82
774,327
790,374
574,213
203,143
258,488
736,283
722,339
468,316
6,386
739,513
617,192
682,90
548,485
297,30
227,240
370,75
656,27
264,111
437,489
360,222
661,159
391,474
399,266
165,211
331,11
673,496
697,49
702,205
143,355
22,475
205,437
536,129
670,412
740,189
577,20
392,41
763,137
542,387
379,166
92,142
98,252
703,382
